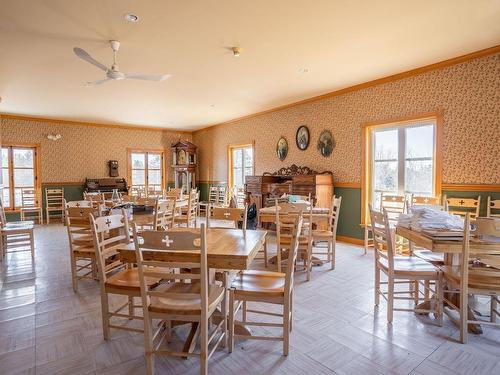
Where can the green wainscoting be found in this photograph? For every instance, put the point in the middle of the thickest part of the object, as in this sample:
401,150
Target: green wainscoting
350,212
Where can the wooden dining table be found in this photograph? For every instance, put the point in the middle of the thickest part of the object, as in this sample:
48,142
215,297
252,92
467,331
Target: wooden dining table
451,248
227,249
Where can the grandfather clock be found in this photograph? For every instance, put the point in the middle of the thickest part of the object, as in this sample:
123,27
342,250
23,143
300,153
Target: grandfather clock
184,161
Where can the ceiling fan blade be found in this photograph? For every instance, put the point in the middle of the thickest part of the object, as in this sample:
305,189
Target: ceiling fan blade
148,77
98,82
85,56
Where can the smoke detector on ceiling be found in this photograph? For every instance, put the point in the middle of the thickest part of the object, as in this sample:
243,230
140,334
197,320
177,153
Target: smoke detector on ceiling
131,17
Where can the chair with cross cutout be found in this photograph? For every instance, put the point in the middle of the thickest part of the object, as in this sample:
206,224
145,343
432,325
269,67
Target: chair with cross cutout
462,206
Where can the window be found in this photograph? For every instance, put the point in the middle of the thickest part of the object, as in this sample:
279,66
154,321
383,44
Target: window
402,159
240,164
19,171
146,170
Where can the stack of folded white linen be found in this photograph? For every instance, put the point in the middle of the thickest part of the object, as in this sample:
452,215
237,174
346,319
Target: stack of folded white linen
430,217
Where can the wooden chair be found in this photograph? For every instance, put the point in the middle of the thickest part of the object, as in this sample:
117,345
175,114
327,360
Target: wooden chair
178,300
284,238
401,270
3,219
175,193
223,196
29,206
127,198
213,196
138,191
188,216
226,214
493,207
114,276
330,233
460,206
54,202
266,287
420,200
15,236
81,243
477,274
164,214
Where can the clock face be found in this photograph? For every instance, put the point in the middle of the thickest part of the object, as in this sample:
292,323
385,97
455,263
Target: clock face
181,157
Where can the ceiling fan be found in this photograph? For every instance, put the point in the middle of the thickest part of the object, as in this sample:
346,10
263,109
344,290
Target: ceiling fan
114,73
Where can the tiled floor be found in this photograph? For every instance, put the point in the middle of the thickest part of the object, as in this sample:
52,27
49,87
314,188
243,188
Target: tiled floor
45,328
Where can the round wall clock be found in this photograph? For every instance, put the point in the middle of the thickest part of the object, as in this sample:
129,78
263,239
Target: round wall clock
302,137
326,143
282,148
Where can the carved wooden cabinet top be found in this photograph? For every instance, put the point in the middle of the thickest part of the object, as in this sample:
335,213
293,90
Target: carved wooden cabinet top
294,170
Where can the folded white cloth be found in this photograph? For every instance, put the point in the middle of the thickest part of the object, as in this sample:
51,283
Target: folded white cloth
430,217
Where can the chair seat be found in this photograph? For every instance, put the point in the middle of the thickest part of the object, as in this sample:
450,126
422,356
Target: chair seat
430,256
322,233
17,229
20,223
410,266
255,282
128,280
188,302
478,282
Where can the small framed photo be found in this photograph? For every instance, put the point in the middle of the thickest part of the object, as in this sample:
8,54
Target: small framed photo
282,148
326,143
302,137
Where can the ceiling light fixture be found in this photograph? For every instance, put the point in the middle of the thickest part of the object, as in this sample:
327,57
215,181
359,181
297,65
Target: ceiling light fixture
303,70
236,51
131,17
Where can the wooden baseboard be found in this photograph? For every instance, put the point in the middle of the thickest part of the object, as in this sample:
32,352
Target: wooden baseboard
352,240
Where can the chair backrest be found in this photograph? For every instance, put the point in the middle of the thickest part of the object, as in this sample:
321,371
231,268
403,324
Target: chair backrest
94,197
54,198
493,207
383,239
240,196
192,207
293,225
78,226
420,200
236,215
480,270
460,206
28,198
223,196
78,204
175,193
164,214
394,204
3,219
213,194
192,242
149,202
333,214
109,231
138,190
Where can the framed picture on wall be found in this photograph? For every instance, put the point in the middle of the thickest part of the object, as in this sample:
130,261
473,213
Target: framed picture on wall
302,137
282,148
326,143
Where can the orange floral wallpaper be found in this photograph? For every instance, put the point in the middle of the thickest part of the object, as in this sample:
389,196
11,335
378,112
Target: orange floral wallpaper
83,151
467,93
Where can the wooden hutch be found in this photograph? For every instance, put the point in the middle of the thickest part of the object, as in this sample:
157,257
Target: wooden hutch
290,180
184,160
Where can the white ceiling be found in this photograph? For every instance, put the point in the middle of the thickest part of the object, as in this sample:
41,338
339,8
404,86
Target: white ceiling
342,43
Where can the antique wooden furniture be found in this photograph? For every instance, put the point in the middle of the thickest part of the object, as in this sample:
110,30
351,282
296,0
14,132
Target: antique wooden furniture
188,215
265,287
400,270
54,203
178,299
115,277
477,274
493,207
105,185
81,244
291,180
329,234
460,206
29,206
184,160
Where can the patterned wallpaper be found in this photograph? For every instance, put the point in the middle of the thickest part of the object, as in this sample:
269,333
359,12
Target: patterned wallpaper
468,93
84,150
